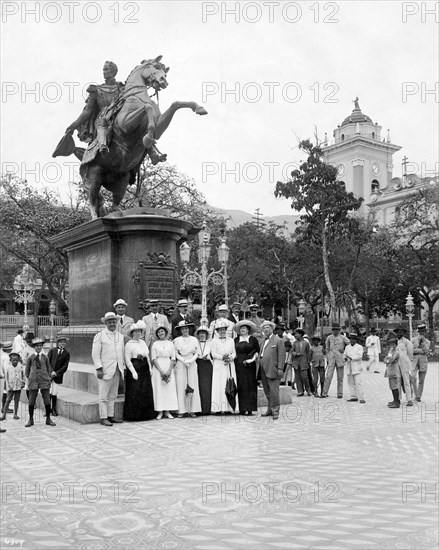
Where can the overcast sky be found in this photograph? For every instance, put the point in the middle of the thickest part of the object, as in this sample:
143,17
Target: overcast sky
317,56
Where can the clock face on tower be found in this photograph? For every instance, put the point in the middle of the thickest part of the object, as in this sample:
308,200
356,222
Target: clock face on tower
375,169
341,169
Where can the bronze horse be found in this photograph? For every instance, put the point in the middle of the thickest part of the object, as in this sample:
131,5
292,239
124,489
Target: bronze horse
136,125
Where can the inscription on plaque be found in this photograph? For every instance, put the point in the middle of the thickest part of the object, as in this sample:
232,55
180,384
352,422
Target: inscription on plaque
158,282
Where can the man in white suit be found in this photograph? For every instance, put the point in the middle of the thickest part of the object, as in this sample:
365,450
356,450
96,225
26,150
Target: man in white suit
123,322
153,320
223,313
108,358
373,348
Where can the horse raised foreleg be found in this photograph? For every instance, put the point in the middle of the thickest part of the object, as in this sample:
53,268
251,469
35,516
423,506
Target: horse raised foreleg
165,119
148,139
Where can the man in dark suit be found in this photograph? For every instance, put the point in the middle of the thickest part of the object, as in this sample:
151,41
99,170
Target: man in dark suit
59,359
235,314
181,315
272,364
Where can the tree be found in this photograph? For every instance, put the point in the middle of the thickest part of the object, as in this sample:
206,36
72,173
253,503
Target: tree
253,262
163,186
417,229
325,205
28,218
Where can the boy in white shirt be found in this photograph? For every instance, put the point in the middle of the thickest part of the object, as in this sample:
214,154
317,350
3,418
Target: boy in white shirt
14,383
353,355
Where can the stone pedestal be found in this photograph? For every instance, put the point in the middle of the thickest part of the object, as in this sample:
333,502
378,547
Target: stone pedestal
131,255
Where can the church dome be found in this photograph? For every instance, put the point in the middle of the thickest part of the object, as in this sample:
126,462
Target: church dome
356,116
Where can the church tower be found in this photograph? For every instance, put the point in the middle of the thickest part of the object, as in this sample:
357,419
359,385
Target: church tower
363,157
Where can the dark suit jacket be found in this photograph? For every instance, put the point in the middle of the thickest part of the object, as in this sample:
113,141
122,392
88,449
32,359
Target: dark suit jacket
273,356
38,378
176,318
231,318
59,363
300,361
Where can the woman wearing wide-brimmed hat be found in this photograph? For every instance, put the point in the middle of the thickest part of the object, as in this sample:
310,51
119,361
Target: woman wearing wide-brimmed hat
139,399
223,355
163,379
204,367
186,375
247,350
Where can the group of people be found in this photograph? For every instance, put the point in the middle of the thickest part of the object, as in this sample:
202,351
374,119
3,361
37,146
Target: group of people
25,365
171,367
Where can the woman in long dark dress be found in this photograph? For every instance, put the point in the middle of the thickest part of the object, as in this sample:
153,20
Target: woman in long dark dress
247,349
205,368
139,400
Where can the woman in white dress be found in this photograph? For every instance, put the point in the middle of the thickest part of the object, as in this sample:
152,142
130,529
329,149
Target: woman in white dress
139,401
223,353
186,373
163,380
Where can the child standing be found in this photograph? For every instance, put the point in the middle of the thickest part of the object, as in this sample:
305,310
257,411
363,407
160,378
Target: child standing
37,372
14,383
317,361
353,355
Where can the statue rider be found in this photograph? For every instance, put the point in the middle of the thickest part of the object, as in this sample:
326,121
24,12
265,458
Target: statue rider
89,123
94,121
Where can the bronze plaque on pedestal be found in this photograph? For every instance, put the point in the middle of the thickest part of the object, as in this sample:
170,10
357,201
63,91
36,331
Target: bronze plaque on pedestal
157,279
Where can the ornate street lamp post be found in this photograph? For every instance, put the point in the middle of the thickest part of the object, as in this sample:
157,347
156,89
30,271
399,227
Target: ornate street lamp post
301,309
24,294
410,308
203,278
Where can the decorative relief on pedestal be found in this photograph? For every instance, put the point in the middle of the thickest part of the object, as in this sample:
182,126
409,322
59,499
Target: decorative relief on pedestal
136,276
159,258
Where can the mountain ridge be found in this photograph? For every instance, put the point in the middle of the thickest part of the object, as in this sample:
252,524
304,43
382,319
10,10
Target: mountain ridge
234,218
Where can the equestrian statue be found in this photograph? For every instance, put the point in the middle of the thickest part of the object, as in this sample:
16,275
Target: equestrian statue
121,124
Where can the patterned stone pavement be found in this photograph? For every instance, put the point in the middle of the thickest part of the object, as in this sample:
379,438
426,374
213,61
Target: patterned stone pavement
327,474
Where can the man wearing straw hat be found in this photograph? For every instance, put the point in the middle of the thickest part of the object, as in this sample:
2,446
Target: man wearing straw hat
272,362
421,347
153,320
373,348
405,351
335,345
124,322
108,358
223,313
235,314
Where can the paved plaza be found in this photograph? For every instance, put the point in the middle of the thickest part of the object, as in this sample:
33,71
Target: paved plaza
327,474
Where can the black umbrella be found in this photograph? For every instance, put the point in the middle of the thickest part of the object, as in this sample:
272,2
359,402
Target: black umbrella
188,393
231,390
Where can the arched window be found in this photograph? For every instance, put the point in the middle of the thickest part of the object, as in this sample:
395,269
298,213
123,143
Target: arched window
342,137
342,185
375,186
373,135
